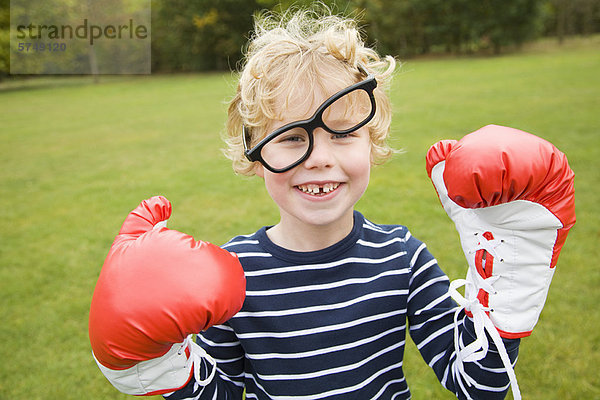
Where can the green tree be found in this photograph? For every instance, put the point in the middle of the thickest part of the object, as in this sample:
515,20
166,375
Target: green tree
571,17
199,34
512,22
208,35
4,38
409,27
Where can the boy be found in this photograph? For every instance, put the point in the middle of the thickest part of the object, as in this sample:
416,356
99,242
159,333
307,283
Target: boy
329,295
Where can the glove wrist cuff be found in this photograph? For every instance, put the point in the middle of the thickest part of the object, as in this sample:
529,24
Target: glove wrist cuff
161,375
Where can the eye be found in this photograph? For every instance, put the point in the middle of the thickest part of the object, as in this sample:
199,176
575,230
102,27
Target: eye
341,135
293,136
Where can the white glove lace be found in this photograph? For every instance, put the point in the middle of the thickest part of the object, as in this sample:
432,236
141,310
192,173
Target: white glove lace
481,321
198,355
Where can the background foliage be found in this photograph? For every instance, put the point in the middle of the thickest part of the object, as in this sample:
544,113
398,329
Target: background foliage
199,35
215,32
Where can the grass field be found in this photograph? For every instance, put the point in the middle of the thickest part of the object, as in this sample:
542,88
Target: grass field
76,157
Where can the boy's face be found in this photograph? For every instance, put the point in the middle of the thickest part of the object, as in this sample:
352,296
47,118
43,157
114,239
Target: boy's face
323,190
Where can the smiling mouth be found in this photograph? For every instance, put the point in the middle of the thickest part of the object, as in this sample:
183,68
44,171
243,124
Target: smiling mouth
318,190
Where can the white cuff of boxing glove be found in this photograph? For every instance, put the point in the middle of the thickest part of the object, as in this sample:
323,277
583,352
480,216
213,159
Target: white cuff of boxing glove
164,374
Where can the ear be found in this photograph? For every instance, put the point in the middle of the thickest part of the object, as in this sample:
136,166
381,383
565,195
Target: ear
259,170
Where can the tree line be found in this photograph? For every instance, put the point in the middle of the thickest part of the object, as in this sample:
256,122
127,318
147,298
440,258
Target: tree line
210,35
200,35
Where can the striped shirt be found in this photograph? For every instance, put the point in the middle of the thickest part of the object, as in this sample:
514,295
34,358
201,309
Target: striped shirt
332,323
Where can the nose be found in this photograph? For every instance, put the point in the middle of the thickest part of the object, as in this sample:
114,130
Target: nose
322,154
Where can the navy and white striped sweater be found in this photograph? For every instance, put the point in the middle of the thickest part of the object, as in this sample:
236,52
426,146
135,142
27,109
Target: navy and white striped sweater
332,323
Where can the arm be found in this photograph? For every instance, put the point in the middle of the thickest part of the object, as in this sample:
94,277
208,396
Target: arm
511,197
222,344
431,314
156,288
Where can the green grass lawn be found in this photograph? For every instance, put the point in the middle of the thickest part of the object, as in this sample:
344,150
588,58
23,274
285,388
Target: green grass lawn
76,157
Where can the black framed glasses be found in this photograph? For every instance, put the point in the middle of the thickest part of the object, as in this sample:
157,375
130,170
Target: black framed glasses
288,146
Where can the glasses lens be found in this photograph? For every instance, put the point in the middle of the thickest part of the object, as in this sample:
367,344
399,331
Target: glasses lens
286,148
348,111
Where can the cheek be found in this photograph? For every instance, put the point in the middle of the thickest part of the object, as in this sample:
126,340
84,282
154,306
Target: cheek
358,159
276,184
357,166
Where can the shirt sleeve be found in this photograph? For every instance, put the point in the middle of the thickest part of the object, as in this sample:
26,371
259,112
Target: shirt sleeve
431,317
221,343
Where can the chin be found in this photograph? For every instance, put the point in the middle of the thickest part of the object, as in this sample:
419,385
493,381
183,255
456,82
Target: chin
324,218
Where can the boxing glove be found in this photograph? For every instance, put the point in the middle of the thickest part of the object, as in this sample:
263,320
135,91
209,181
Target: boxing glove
157,287
511,197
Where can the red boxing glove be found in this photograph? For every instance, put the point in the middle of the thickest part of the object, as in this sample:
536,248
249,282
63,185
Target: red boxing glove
511,197
158,286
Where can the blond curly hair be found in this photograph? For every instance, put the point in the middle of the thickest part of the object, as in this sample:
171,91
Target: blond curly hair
302,46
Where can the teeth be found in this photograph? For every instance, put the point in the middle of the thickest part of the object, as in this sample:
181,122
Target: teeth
328,187
316,189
